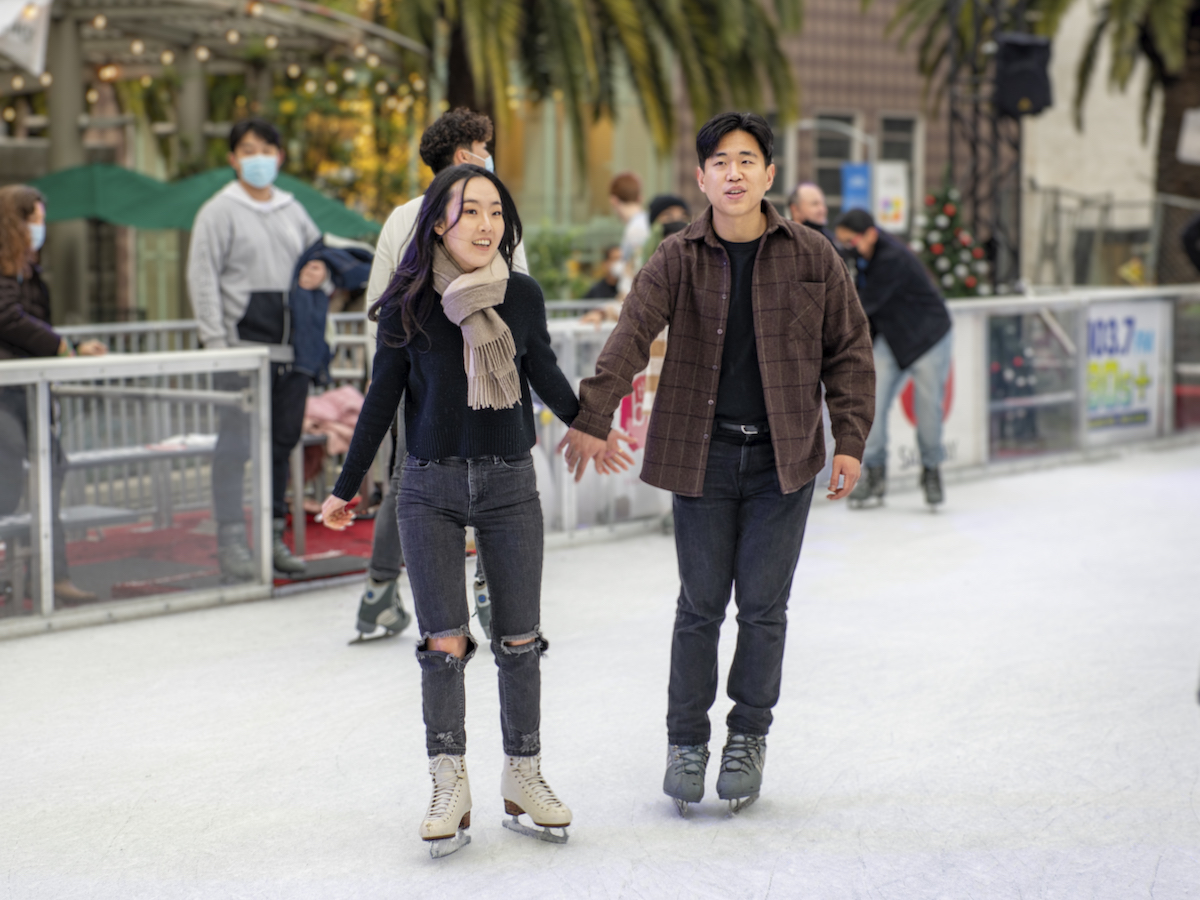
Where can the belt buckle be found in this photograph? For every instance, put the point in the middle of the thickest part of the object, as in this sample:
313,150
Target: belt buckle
749,429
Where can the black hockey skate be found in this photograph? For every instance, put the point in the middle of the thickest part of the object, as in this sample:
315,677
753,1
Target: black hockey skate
870,489
740,779
931,483
380,607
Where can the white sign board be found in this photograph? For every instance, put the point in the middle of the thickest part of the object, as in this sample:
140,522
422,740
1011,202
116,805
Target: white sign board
24,28
1188,148
1124,374
892,200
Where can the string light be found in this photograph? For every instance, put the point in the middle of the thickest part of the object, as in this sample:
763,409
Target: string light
203,53
331,87
232,36
30,12
256,9
18,83
310,87
348,76
109,73
92,96
167,58
100,22
138,47
419,85
293,71
47,79
147,81
10,114
272,42
373,61
381,88
360,51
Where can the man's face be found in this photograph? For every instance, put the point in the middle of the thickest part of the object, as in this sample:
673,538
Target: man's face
252,145
863,244
809,206
736,177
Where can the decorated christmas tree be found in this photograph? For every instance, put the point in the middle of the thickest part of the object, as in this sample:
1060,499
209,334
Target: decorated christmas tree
950,252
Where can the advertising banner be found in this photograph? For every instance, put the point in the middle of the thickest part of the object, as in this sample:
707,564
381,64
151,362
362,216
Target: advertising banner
1124,370
24,26
856,186
892,202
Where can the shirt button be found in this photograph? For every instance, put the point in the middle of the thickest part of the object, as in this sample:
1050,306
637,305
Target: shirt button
715,368
720,331
706,437
724,296
710,403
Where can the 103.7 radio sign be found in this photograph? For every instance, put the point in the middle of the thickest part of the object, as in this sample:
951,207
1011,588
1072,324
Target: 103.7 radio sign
1124,371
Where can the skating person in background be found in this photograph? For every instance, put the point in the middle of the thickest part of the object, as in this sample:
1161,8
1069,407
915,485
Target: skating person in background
625,197
458,137
246,243
808,207
611,269
911,328
25,332
469,426
761,313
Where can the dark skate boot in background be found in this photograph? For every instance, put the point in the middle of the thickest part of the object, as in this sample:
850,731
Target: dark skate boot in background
381,607
870,489
931,483
233,553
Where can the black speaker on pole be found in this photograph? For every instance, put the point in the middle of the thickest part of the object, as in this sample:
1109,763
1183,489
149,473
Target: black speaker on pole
1022,74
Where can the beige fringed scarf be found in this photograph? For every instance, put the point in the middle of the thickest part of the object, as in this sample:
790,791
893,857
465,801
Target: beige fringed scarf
468,299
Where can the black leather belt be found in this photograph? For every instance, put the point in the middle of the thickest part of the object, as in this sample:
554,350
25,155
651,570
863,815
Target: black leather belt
733,433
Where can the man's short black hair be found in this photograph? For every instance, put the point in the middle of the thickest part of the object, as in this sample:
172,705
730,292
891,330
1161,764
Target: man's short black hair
720,125
856,220
459,127
261,128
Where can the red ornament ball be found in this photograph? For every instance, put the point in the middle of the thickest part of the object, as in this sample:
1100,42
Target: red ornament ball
977,253
949,209
970,281
937,249
964,239
930,200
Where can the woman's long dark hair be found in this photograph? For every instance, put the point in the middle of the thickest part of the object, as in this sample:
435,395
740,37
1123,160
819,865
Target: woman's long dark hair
407,303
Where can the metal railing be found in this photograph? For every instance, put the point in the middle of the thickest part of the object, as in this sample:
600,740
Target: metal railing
137,433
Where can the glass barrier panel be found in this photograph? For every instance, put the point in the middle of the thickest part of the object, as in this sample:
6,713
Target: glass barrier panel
1033,384
1187,365
19,558
160,494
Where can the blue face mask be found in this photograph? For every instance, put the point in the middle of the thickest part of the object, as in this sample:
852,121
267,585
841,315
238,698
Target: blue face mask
37,234
260,171
488,163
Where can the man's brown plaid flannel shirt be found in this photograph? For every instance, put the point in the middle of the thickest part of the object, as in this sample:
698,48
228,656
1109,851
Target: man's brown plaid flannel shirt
809,326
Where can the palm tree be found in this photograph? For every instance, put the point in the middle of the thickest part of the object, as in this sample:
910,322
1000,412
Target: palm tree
726,50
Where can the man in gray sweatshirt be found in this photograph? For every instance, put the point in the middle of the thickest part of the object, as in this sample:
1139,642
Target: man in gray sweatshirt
246,243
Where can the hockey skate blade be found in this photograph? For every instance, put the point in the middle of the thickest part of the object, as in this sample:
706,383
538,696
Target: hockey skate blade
440,847
682,807
737,804
541,833
364,639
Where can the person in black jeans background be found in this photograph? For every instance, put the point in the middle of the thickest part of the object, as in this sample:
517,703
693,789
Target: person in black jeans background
469,428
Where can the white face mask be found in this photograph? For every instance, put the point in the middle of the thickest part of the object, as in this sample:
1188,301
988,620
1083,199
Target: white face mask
616,269
487,161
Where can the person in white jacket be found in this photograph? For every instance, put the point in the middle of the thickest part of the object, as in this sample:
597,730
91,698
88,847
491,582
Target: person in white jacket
458,137
246,242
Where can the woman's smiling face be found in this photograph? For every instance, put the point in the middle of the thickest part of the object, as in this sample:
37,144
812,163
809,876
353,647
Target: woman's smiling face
474,238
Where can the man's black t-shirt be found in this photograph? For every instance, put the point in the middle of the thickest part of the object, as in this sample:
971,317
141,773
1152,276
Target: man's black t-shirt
740,397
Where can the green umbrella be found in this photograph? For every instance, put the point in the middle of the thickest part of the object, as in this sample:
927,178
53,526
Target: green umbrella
124,197
99,192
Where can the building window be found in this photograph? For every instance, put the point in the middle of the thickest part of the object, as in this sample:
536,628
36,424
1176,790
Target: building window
833,149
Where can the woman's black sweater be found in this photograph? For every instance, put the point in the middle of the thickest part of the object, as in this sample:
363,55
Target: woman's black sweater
429,372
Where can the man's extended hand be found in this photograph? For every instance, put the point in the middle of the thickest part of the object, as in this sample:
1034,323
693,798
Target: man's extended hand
848,469
313,275
578,449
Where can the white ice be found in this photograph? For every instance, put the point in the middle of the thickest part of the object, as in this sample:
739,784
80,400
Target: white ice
998,701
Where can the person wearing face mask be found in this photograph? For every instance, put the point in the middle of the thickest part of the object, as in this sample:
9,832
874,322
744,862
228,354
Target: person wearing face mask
611,268
463,339
25,332
246,243
458,137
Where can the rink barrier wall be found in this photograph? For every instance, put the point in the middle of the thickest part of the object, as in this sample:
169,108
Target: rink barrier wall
128,414
1067,396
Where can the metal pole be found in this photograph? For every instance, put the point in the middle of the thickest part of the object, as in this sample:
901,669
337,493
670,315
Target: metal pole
41,493
260,455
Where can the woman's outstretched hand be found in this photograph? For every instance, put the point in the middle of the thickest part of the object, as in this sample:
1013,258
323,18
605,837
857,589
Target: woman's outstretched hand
336,513
578,449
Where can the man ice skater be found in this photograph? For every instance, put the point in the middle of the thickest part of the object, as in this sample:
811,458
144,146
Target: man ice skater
762,312
912,337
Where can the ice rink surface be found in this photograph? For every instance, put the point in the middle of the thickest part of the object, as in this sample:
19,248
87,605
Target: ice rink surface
997,701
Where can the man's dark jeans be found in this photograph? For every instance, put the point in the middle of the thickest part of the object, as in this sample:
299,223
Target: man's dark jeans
499,497
289,392
742,531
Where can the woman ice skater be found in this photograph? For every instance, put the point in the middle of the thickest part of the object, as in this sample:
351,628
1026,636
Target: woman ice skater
463,337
